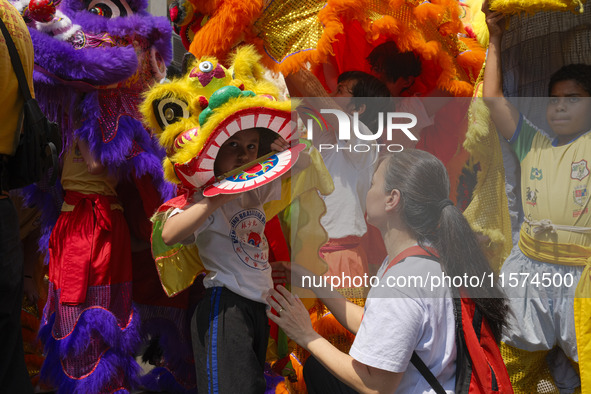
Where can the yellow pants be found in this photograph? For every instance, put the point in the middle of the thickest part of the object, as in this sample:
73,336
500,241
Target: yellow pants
529,371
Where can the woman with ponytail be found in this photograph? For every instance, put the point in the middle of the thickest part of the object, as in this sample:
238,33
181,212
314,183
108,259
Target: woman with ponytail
410,306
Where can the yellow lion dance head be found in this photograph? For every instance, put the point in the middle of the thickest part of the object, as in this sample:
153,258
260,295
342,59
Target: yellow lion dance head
195,114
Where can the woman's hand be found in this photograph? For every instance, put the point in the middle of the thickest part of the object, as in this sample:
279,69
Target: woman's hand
292,316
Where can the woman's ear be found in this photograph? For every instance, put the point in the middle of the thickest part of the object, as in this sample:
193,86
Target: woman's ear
361,109
393,200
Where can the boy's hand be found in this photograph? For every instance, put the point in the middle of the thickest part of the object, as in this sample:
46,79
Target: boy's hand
279,144
495,21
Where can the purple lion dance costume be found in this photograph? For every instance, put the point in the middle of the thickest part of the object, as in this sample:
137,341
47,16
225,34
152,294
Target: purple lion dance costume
94,58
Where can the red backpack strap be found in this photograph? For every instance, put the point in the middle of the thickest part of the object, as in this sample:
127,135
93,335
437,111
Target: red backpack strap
413,251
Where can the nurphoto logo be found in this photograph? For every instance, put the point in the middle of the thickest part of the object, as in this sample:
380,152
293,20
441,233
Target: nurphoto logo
390,122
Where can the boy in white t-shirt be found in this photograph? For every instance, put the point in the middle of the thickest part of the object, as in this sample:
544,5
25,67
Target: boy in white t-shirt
230,329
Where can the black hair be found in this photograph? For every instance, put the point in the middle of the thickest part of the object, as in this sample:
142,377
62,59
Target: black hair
387,60
424,188
370,86
366,85
580,73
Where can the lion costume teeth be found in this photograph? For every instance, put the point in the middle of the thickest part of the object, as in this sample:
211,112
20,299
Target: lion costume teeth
195,114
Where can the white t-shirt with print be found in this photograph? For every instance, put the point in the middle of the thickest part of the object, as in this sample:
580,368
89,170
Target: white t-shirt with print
352,170
351,173
233,247
400,320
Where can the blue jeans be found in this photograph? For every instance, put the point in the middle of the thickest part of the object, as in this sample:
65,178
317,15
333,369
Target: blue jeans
14,377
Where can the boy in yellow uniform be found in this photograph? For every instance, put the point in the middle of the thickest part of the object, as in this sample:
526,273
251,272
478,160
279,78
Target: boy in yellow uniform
543,271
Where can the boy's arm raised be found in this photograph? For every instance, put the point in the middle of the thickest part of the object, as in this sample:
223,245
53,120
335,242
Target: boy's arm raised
181,226
504,115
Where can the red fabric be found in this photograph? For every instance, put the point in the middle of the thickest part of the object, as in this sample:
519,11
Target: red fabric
278,249
150,197
183,196
139,224
352,40
444,138
485,355
88,247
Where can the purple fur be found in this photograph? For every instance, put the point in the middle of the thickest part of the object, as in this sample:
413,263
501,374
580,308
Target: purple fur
49,200
156,29
150,163
141,23
98,381
99,322
162,39
53,99
113,154
92,322
78,5
44,334
101,66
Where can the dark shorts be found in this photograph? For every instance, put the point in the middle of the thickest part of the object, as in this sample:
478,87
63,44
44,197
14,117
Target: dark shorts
319,380
230,335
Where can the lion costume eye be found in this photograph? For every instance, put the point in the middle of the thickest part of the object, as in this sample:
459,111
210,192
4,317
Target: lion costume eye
170,110
206,66
109,8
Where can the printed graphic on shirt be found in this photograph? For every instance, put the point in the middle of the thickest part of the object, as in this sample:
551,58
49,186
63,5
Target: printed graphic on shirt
77,155
248,240
580,212
580,195
531,196
579,170
535,174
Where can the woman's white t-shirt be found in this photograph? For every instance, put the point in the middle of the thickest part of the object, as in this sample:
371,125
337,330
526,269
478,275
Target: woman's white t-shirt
403,315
